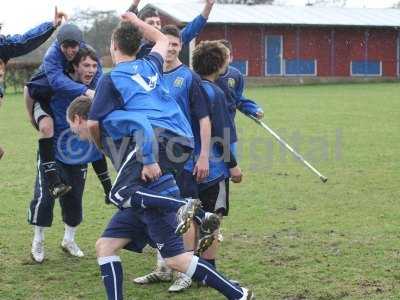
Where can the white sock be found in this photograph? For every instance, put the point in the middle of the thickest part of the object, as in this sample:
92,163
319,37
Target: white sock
69,233
38,233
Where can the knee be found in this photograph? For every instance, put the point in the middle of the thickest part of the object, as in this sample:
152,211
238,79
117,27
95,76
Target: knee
46,127
103,248
179,263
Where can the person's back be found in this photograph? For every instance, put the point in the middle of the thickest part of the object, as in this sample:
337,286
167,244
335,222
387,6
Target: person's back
143,90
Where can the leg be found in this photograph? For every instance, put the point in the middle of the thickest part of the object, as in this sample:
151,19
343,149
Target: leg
125,230
110,265
46,150
71,206
40,214
199,270
101,169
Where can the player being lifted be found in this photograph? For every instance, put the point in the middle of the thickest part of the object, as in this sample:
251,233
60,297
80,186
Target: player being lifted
137,87
52,78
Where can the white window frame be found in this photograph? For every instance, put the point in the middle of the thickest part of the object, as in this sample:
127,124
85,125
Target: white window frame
366,75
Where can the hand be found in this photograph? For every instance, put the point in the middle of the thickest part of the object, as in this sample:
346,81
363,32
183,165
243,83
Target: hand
58,16
90,93
129,17
1,152
259,114
201,169
151,172
236,174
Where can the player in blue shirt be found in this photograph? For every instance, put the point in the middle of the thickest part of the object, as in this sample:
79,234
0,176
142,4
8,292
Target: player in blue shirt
146,106
18,45
210,59
185,87
232,83
188,33
72,156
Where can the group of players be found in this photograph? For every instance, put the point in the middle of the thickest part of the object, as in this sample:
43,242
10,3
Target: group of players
168,130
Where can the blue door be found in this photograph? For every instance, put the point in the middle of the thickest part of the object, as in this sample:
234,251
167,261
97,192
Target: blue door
273,54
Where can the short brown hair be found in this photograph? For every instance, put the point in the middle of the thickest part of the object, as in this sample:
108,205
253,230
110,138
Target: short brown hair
209,57
86,51
127,37
80,107
148,13
227,44
171,30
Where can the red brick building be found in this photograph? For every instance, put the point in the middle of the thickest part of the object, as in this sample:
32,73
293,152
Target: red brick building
277,41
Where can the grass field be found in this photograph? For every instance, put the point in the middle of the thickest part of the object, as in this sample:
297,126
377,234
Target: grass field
288,236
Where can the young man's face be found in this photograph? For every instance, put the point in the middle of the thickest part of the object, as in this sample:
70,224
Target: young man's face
154,21
174,48
69,50
86,70
79,127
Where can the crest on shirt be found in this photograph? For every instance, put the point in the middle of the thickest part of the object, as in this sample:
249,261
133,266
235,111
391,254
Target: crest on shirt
231,82
178,82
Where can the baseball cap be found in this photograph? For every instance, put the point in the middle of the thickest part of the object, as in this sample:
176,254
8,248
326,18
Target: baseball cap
69,32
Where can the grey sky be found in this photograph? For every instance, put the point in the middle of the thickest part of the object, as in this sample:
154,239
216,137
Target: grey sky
19,15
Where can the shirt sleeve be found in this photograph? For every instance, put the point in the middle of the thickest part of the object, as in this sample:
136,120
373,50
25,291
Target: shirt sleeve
198,101
246,106
54,70
193,29
106,99
156,59
120,124
17,45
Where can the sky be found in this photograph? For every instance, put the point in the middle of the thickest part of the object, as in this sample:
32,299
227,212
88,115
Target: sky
18,16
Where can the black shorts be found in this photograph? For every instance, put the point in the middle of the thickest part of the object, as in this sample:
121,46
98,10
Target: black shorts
215,198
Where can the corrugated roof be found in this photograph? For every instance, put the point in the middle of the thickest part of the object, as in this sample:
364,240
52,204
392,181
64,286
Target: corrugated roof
284,15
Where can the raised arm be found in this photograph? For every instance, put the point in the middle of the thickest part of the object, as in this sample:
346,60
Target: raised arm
134,7
18,45
149,33
193,29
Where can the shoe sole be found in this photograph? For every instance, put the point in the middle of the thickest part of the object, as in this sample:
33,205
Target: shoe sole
157,280
205,243
185,224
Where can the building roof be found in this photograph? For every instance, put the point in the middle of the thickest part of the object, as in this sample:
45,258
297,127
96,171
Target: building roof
283,15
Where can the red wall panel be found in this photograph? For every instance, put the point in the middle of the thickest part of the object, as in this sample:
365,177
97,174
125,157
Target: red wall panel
315,43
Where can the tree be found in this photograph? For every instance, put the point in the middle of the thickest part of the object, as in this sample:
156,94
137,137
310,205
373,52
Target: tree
97,27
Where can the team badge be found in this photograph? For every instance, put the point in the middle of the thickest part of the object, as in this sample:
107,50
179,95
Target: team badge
231,83
178,82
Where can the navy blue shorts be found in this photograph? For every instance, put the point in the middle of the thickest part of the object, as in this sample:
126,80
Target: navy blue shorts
146,227
39,87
